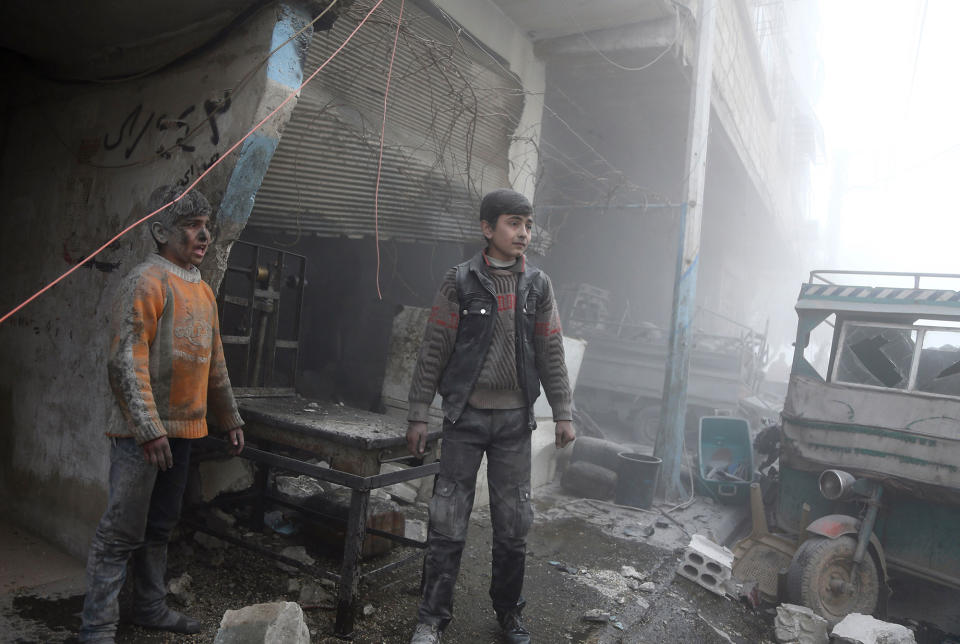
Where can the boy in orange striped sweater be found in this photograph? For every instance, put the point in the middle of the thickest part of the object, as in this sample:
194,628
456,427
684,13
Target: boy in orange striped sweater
165,366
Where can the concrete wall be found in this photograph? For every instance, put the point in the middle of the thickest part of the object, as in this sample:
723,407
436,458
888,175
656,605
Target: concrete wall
79,162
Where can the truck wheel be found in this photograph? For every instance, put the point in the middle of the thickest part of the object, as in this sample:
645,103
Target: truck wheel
820,578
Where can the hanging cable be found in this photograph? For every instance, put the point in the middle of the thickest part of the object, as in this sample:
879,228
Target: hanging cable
383,132
199,178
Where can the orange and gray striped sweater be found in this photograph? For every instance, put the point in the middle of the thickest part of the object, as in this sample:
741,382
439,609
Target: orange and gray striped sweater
166,360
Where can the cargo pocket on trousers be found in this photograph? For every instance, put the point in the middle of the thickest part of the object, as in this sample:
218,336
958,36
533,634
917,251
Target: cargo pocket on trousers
443,508
524,511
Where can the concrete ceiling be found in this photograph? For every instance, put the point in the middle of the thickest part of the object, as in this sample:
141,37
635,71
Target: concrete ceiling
100,39
546,19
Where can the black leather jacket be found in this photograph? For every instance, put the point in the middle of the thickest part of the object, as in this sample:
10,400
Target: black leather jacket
478,308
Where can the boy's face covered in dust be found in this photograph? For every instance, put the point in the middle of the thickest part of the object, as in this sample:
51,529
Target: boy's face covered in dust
187,241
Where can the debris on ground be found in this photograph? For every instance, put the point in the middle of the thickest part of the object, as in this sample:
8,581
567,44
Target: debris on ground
596,615
208,541
279,523
559,565
298,487
297,553
179,588
864,629
316,595
799,625
273,623
707,564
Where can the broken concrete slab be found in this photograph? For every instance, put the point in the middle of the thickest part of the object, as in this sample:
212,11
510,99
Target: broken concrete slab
799,625
864,629
273,623
179,588
218,476
315,595
415,529
407,491
298,487
297,553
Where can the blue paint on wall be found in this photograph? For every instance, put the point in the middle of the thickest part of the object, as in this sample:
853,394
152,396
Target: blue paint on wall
284,67
252,163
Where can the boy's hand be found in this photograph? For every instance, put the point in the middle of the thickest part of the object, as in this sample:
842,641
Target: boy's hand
235,436
417,437
565,433
157,452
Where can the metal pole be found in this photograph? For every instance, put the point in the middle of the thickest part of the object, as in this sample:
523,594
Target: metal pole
669,445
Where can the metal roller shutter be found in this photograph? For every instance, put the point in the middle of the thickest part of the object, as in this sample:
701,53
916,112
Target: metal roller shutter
452,111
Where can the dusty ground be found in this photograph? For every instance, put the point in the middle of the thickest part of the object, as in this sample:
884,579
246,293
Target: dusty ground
576,551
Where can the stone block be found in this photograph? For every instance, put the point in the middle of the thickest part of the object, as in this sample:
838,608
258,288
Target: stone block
864,629
707,563
274,623
231,475
799,625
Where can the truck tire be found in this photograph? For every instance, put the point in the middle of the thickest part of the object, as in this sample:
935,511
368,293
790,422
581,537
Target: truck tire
819,578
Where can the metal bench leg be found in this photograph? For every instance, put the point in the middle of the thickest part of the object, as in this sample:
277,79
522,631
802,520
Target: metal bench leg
348,588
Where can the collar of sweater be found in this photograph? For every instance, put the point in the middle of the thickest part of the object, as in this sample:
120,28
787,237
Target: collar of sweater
192,275
516,265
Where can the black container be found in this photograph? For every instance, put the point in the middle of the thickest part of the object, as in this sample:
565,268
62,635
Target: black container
637,476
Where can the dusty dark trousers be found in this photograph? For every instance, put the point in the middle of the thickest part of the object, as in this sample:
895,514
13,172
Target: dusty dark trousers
505,438
142,510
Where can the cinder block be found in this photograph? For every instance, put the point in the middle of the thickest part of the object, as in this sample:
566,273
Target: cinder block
707,563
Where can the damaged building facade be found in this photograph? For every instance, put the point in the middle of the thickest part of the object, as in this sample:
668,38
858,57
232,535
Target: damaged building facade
582,107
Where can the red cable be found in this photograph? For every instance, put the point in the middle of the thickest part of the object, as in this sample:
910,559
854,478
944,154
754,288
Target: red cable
383,132
198,179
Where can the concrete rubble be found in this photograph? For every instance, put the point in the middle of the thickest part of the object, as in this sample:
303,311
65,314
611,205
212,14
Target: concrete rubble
297,553
179,588
864,629
707,564
317,595
218,476
273,623
298,487
799,625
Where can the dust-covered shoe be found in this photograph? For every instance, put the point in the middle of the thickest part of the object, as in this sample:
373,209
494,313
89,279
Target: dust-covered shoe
426,634
512,628
171,621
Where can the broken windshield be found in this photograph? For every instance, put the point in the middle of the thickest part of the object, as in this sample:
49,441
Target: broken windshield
899,357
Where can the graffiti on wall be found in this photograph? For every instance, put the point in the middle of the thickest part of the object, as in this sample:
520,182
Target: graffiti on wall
142,126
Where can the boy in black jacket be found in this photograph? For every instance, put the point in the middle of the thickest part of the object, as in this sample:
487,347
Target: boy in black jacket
493,336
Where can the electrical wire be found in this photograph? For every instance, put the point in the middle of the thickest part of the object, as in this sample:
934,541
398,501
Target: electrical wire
189,188
667,49
383,132
246,77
